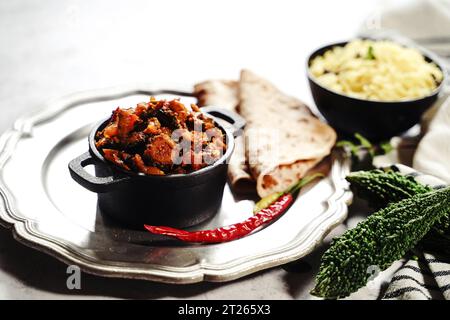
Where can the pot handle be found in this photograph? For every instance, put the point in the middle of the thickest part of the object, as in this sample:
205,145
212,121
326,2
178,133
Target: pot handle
90,182
236,121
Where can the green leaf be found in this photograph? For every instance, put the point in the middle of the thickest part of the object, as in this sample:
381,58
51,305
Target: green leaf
345,143
386,146
364,142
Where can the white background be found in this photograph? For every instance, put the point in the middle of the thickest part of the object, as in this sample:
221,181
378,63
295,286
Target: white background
49,48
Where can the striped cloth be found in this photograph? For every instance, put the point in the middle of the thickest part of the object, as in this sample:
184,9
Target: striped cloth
426,276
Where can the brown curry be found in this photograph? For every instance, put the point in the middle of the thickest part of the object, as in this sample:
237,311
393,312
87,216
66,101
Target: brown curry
161,137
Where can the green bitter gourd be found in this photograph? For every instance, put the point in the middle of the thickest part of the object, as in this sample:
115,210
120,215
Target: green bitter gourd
378,241
381,187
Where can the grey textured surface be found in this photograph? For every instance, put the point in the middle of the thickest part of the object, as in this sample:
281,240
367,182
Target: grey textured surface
51,48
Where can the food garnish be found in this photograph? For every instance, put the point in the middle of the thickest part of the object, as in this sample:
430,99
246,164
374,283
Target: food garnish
272,211
363,144
362,152
370,55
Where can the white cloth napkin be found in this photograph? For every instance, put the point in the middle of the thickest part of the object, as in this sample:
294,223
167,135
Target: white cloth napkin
431,28
433,153
424,21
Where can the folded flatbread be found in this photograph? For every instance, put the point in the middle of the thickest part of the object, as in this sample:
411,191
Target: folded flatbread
283,139
220,93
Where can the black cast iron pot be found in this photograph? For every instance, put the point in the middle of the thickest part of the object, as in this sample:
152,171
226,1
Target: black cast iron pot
375,120
177,200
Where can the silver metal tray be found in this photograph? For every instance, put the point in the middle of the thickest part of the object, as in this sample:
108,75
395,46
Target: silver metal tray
48,211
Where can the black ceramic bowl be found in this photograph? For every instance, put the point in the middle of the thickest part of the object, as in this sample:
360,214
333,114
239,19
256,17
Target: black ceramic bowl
177,200
375,120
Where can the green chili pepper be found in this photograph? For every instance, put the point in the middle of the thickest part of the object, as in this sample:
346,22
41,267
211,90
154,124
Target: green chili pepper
268,200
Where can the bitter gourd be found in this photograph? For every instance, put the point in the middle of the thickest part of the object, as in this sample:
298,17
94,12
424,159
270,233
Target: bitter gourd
381,187
384,237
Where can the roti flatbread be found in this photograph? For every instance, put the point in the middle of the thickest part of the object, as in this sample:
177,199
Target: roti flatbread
224,93
220,93
284,139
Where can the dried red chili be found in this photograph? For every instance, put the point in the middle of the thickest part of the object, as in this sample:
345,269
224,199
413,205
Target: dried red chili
238,230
